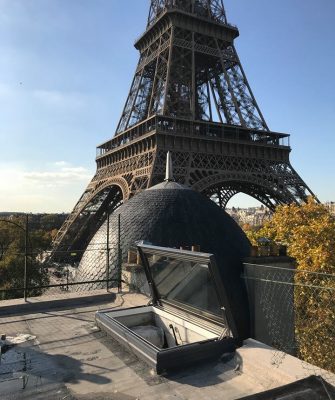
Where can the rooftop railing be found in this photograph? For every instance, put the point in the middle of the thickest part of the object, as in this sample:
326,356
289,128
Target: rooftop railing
298,312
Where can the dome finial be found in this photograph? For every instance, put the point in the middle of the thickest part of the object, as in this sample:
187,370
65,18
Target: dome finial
169,170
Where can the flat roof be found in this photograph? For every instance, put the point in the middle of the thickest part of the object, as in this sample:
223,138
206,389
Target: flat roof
69,358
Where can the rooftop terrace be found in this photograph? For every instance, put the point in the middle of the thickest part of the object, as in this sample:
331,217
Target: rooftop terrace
69,358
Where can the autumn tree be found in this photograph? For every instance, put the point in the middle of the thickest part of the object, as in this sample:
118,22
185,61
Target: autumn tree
12,258
308,231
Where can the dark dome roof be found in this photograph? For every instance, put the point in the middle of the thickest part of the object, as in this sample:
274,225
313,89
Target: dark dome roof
173,215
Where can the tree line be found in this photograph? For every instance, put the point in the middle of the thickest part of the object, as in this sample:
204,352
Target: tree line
42,228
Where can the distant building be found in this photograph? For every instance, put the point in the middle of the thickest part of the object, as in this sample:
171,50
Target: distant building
256,216
253,216
331,207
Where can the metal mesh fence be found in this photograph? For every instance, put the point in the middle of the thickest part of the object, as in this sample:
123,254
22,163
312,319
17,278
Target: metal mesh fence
294,312
67,272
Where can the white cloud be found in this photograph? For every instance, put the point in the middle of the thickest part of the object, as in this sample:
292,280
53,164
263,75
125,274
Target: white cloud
75,170
53,188
62,177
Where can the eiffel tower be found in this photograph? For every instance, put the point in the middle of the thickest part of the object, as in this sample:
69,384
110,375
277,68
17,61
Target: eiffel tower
190,96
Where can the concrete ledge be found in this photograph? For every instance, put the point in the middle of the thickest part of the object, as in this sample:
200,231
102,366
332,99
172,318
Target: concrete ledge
275,367
272,261
43,303
313,387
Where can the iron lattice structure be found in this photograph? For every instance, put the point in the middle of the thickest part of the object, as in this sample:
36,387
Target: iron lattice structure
190,96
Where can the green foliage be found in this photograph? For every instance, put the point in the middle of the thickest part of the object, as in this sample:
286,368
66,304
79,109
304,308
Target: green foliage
42,229
48,222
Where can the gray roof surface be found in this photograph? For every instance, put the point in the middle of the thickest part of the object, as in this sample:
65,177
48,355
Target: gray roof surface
70,359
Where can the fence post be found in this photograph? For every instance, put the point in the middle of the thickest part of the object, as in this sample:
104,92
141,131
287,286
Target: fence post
67,279
119,256
107,255
25,260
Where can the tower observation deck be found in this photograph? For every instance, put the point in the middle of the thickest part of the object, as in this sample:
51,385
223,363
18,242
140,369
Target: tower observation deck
190,96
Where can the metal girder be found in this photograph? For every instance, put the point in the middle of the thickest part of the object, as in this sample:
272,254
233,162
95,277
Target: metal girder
271,182
189,95
213,9
179,66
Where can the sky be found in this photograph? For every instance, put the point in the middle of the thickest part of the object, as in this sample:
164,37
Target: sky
66,67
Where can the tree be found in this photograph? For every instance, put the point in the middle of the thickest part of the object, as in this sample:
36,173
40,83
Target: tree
12,250
308,231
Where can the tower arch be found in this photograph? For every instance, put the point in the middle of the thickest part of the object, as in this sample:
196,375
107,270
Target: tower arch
223,186
189,95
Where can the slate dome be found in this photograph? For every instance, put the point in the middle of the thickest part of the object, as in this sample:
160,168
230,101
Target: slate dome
172,215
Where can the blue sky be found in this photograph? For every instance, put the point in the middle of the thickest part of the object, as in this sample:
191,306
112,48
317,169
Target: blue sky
66,67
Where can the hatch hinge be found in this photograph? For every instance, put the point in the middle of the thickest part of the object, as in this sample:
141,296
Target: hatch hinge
226,332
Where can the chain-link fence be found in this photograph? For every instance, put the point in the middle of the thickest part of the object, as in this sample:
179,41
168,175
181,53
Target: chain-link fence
39,274
291,310
294,312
